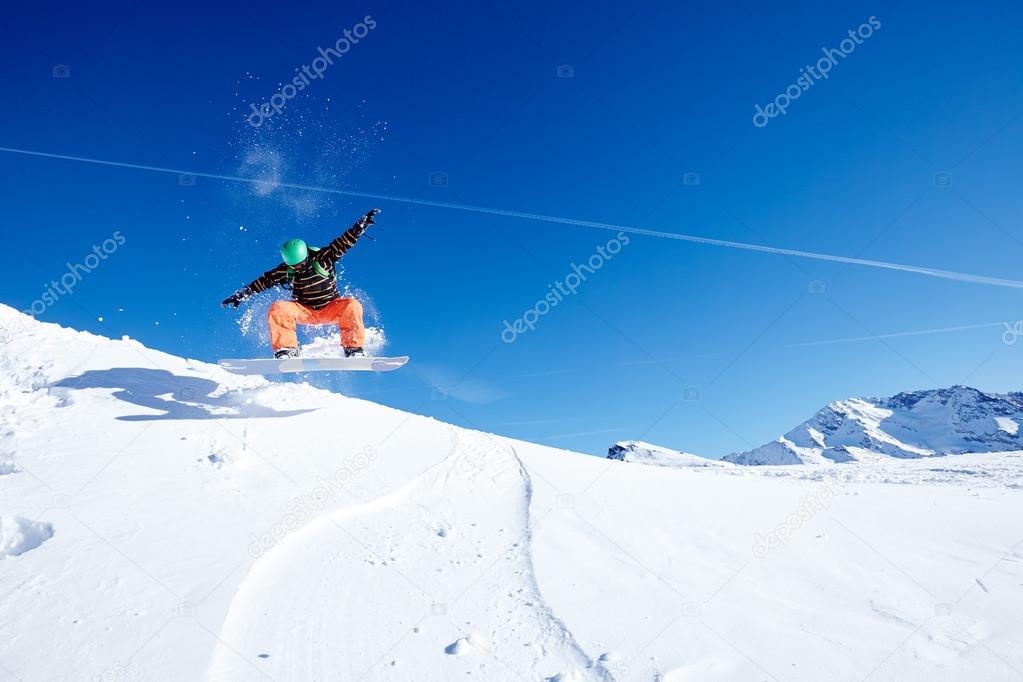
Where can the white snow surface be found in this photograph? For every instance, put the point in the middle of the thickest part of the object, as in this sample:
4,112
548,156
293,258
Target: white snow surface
176,522
948,421
1008,425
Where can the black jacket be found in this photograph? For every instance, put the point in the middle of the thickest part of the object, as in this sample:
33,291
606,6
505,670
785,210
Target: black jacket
309,286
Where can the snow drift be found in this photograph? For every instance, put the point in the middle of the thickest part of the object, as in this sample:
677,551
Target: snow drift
164,520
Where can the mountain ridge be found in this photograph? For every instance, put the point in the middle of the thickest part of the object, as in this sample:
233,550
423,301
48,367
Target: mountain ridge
908,425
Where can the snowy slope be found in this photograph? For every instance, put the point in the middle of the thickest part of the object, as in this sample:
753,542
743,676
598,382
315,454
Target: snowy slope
909,425
645,453
163,520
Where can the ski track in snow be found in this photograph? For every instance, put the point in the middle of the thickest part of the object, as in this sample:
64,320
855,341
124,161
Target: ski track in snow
568,640
308,585
255,594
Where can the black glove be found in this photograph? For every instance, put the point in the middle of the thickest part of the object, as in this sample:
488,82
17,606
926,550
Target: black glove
235,299
365,221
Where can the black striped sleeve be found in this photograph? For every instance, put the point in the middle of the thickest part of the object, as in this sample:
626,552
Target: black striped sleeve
270,278
340,246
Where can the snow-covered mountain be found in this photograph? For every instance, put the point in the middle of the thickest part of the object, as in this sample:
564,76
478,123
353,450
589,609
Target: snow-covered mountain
645,453
163,520
946,421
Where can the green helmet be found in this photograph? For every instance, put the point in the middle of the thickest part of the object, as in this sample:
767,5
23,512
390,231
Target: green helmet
294,251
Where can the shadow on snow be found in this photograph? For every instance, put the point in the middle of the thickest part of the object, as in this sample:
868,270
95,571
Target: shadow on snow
178,397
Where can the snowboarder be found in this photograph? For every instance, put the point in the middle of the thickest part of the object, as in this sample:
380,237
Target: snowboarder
309,273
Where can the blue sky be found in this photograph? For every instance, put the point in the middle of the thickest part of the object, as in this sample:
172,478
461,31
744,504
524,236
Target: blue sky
472,91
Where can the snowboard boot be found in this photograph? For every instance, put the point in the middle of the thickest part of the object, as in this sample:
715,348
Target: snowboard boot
285,353
354,352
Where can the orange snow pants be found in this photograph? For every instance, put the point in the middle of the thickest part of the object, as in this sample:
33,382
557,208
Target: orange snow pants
346,313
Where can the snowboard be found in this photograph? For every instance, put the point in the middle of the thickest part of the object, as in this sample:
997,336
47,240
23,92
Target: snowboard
289,365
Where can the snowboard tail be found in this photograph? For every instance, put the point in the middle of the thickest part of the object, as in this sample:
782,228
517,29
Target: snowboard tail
291,365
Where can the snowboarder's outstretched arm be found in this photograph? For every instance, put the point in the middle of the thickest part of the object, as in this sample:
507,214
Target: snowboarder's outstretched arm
271,278
337,248
326,256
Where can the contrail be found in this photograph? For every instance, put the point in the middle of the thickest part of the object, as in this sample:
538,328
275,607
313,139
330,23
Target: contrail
921,332
900,267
